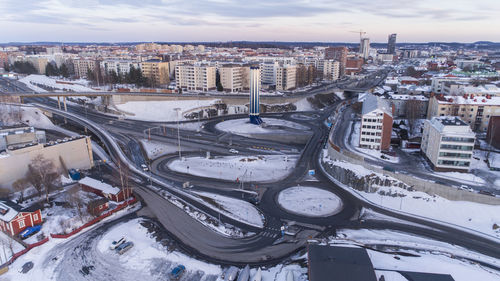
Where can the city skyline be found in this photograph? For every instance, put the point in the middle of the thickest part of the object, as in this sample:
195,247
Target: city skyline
226,20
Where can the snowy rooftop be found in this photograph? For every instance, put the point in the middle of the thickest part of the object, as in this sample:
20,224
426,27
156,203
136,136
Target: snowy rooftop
409,97
104,187
451,124
7,213
373,102
495,101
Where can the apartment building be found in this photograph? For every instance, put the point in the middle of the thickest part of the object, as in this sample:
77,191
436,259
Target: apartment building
286,77
156,71
195,77
121,67
331,70
473,110
39,62
416,105
376,123
268,74
234,78
339,54
448,143
438,82
4,59
82,66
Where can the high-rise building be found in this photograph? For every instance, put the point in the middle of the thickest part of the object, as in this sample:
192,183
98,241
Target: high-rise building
199,77
376,123
391,44
331,70
339,54
234,78
254,95
286,76
364,48
156,71
82,66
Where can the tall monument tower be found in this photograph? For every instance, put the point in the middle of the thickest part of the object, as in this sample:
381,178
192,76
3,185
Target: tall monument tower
254,95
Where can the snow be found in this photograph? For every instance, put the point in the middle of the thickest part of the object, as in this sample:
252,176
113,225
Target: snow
237,209
162,111
309,201
7,242
156,149
141,256
104,187
33,81
463,177
303,105
475,216
243,127
262,168
340,95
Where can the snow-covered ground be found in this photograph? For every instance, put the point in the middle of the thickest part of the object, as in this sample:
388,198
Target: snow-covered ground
475,216
162,111
466,178
432,256
9,247
303,105
31,116
262,168
34,82
371,153
243,127
156,149
309,201
237,209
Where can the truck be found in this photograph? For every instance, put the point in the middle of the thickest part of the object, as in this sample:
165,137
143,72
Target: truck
28,232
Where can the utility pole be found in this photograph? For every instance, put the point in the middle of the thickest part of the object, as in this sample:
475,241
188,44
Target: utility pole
177,109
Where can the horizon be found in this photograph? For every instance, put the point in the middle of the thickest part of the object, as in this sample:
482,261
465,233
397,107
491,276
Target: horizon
229,20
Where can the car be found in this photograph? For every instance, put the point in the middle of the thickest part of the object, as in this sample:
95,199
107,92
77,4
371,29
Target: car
116,243
177,272
144,167
28,232
124,247
465,187
234,151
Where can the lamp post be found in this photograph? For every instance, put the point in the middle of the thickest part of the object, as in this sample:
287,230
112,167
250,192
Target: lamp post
177,109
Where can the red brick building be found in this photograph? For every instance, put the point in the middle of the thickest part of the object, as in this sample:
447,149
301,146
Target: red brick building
339,54
105,190
14,219
353,65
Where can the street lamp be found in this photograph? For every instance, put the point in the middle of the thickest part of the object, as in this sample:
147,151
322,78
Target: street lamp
177,109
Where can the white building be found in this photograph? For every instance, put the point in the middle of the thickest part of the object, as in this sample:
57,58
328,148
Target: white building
119,66
268,74
286,77
376,123
448,143
364,48
234,78
195,77
331,70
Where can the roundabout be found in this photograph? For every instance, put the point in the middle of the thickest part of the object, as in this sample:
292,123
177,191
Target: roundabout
309,201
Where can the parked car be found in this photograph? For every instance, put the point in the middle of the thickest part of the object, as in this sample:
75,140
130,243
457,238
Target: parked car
116,243
177,272
144,167
232,150
124,247
28,232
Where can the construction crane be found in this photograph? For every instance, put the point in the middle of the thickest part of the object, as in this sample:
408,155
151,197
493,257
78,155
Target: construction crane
361,33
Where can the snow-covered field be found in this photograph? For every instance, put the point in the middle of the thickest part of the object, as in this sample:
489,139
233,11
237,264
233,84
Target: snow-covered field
237,209
303,105
463,177
34,81
262,168
433,256
162,111
475,216
9,247
156,149
31,116
309,201
243,127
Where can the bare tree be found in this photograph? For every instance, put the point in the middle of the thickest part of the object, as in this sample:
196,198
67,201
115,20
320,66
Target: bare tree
42,174
74,199
412,112
20,186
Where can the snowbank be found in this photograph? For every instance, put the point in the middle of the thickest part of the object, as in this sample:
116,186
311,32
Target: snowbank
237,209
38,82
245,128
309,201
262,168
162,111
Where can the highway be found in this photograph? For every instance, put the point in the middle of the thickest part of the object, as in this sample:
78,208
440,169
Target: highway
258,249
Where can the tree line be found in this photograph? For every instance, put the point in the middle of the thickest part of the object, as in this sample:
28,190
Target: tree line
134,76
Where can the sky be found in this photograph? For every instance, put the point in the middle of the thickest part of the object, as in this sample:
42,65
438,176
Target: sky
251,20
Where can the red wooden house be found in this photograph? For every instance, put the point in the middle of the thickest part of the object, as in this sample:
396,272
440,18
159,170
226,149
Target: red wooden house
14,219
105,190
96,207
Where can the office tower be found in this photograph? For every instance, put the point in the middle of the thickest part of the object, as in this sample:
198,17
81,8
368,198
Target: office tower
364,48
391,44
